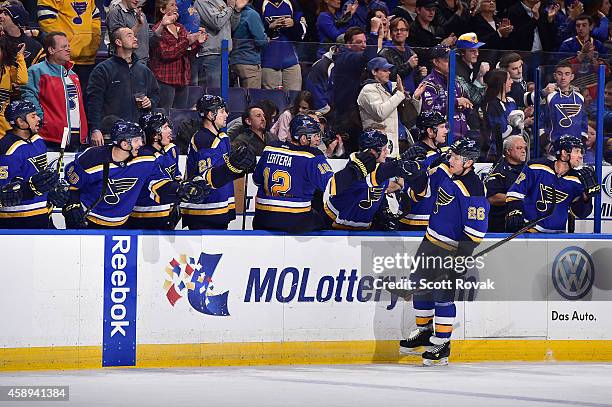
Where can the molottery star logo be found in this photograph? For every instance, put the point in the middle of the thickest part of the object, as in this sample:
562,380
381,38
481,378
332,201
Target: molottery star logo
573,273
195,280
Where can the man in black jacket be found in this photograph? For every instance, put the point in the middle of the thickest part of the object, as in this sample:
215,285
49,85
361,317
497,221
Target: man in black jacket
120,86
534,28
424,32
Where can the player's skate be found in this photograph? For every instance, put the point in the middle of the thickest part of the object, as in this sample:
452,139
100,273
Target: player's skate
438,354
416,341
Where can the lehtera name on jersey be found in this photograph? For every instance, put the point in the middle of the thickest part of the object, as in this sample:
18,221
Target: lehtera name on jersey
279,159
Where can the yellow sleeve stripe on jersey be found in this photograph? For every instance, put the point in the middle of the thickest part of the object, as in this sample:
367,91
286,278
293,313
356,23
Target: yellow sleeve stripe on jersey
542,167
155,187
14,147
573,178
462,187
476,239
136,160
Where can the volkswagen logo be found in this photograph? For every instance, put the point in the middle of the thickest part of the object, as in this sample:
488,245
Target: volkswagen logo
573,273
607,184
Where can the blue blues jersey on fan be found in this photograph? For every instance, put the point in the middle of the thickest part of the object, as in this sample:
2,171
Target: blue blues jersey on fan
355,207
497,122
564,113
280,52
146,206
534,190
417,217
125,181
207,157
21,159
455,195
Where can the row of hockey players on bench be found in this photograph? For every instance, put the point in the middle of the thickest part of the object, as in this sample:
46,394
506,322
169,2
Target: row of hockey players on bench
135,183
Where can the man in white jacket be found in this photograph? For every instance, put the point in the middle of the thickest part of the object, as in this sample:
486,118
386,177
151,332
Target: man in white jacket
378,102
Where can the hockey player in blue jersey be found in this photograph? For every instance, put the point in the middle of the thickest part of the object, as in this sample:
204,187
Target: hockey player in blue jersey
563,109
210,156
457,224
431,145
288,173
363,205
545,181
25,179
147,213
107,181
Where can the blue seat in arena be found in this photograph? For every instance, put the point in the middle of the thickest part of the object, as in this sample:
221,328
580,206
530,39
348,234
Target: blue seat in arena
193,95
291,95
178,116
277,96
238,101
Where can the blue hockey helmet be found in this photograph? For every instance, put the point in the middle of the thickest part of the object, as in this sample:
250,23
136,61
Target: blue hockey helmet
567,142
303,125
152,123
466,148
124,130
210,103
18,109
374,139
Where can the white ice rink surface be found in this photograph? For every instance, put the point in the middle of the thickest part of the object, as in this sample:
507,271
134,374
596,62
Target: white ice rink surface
491,385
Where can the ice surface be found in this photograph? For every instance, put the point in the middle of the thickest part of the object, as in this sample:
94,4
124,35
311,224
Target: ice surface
483,384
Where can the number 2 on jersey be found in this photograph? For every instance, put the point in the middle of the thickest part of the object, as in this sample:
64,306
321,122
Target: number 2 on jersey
278,184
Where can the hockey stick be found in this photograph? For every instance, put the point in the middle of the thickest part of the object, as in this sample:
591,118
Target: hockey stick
244,200
408,293
105,171
523,229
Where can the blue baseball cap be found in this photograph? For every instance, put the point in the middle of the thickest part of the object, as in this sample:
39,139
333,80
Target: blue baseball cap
469,40
379,63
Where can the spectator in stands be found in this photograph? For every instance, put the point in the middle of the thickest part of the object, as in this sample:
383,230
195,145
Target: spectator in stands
424,32
170,55
319,84
589,143
512,63
349,64
127,13
404,60
249,38
54,88
80,20
533,26
219,19
500,179
453,16
470,73
270,113
583,43
253,134
406,9
489,28
379,99
302,104
502,117
284,24
13,72
435,96
608,151
598,10
121,85
332,22
13,17
360,17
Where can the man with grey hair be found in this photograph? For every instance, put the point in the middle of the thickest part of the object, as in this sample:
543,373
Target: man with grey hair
502,176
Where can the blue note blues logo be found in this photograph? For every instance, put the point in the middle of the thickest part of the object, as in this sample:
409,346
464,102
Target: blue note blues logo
186,277
573,273
607,184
